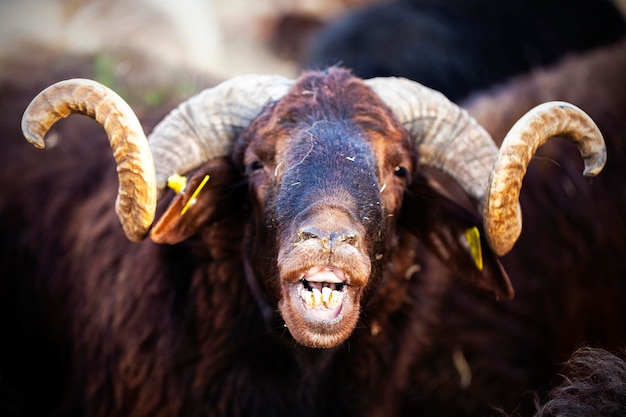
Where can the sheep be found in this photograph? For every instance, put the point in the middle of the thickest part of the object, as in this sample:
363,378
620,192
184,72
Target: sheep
594,385
459,47
307,259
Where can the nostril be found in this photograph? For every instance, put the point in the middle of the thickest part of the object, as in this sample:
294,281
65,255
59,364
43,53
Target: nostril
349,238
308,233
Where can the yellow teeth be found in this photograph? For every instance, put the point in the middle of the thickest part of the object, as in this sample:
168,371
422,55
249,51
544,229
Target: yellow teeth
326,295
308,298
317,297
314,298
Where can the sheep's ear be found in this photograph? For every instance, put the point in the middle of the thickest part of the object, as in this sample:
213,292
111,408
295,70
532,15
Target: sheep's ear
455,235
202,200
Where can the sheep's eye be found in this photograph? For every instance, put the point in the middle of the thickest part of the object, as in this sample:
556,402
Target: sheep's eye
253,166
401,172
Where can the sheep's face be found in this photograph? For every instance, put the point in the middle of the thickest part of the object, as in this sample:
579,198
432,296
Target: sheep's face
325,190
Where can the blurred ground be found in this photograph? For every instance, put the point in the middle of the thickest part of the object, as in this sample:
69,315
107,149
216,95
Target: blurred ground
149,49
220,37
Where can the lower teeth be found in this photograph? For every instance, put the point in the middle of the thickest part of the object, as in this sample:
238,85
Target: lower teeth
326,297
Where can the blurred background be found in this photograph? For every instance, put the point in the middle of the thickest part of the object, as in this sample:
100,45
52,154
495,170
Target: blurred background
158,47
152,50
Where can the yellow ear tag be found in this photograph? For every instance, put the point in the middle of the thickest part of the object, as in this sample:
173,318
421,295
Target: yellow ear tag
472,236
177,182
192,200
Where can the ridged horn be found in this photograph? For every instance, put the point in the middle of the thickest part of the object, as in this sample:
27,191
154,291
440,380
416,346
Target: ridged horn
502,217
204,126
447,137
136,198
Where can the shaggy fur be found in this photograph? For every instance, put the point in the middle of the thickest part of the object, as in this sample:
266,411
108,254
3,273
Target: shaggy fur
100,326
458,47
594,385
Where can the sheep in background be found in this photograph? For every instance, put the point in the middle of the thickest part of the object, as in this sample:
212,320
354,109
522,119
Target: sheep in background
594,385
459,47
595,380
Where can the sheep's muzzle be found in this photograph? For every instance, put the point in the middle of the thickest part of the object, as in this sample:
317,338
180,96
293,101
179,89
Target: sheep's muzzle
323,269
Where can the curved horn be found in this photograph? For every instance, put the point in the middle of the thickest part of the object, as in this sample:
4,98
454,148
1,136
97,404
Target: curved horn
204,126
136,198
447,136
502,216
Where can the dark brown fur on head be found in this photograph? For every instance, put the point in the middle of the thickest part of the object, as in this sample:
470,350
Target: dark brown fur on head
316,162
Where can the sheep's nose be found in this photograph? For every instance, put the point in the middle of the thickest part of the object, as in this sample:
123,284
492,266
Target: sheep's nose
329,239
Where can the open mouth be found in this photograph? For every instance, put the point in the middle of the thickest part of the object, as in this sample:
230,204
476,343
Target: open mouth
320,306
322,290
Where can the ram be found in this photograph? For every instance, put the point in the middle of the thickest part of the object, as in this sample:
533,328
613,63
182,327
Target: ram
307,256
460,47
